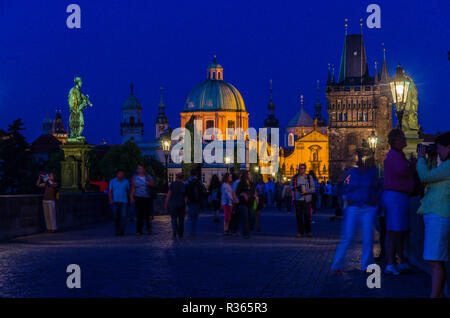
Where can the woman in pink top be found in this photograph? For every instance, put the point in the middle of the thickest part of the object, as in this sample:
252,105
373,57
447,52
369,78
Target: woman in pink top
398,184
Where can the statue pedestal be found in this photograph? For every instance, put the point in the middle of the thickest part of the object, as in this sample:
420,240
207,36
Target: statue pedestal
74,170
412,140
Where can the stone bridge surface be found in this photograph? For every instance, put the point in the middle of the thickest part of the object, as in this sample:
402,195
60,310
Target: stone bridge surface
273,263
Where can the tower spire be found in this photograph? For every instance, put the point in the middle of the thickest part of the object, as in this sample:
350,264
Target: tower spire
329,74
131,89
361,25
271,120
384,77
376,72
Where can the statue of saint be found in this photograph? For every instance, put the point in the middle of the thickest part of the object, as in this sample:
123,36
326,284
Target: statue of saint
77,104
410,121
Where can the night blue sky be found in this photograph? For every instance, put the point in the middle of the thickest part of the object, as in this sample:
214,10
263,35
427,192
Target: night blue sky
170,43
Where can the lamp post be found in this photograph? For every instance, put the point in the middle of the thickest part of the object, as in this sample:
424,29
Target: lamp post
399,88
373,141
165,144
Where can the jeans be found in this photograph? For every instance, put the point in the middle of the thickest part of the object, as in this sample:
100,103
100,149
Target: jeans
49,214
193,212
302,216
177,215
119,210
144,209
234,222
353,216
244,219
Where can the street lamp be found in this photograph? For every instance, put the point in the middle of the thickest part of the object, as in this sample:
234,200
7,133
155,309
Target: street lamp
399,88
165,144
373,140
227,162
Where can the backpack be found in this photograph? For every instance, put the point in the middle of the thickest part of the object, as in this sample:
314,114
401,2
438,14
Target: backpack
194,191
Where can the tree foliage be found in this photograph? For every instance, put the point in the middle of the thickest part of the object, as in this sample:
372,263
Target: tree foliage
14,160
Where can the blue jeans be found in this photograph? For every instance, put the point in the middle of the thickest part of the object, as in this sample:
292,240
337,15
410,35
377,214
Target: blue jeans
193,212
354,216
119,210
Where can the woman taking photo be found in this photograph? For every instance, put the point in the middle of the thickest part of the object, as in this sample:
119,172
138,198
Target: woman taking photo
398,184
435,207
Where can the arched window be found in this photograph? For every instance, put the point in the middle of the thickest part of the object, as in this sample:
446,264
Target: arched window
344,117
218,75
340,116
365,116
291,142
209,124
214,75
360,116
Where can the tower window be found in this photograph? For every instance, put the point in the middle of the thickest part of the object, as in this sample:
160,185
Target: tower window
231,124
365,116
291,140
218,75
360,116
344,117
340,116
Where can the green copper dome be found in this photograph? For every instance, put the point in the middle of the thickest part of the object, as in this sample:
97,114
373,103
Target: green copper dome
131,102
214,94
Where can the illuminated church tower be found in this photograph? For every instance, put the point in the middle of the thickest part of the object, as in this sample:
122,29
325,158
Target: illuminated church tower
358,104
131,127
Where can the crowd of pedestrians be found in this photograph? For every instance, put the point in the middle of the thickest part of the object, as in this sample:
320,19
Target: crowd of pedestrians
364,199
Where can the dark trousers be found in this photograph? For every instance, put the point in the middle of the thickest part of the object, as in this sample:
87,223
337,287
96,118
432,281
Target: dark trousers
244,219
178,220
119,210
143,208
288,202
302,216
234,222
382,232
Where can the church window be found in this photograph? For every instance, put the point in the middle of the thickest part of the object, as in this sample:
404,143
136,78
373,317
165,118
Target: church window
340,116
218,75
291,140
344,117
365,116
360,116
231,124
214,75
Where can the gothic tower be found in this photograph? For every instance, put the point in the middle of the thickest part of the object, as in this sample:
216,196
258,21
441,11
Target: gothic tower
131,127
161,123
357,104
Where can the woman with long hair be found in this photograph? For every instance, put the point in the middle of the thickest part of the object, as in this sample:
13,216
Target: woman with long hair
244,195
435,207
214,192
227,199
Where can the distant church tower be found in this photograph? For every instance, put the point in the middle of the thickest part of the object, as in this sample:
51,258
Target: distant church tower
131,127
161,123
271,121
58,130
357,104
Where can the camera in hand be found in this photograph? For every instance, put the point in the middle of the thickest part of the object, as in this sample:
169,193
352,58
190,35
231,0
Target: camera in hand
43,177
430,150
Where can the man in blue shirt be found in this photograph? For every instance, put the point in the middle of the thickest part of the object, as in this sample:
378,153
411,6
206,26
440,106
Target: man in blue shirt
119,188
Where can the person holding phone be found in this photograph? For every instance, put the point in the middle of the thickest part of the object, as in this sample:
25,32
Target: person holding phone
48,183
302,186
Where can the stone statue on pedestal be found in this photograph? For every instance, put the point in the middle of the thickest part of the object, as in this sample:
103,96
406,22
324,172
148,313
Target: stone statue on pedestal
77,103
74,171
410,120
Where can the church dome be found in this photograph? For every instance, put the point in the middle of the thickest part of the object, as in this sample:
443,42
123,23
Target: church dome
214,94
301,119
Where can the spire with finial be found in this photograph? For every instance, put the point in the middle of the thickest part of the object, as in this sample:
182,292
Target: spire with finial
384,77
301,101
329,74
271,121
361,25
376,72
334,80
161,119
318,106
346,26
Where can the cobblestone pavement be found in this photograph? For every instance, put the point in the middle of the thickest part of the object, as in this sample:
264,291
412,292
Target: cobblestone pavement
273,263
